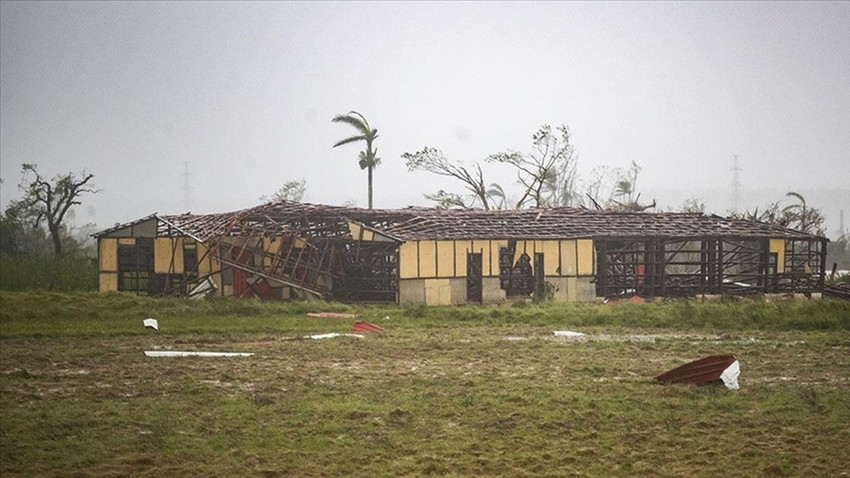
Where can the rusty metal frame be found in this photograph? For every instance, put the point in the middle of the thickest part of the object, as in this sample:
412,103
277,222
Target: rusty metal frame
669,267
314,252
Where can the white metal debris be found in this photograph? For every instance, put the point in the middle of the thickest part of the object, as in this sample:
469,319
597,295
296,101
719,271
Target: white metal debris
203,289
332,335
730,375
152,323
177,353
569,333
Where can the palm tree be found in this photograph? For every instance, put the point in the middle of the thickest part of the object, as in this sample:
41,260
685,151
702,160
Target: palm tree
368,158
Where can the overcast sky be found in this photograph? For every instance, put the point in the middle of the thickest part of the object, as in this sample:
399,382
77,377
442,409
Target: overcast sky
244,92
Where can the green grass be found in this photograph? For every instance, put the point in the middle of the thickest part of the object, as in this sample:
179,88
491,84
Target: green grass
92,313
66,274
444,391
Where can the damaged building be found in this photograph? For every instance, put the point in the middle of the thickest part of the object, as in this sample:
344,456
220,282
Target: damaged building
288,250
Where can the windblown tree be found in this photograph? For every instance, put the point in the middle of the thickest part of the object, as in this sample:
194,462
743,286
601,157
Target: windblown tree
434,161
616,189
546,173
292,191
368,159
797,215
627,197
50,200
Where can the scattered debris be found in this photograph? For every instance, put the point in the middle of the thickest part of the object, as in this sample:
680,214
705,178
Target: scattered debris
363,326
203,289
636,299
569,333
152,323
730,375
516,339
332,335
177,353
642,338
261,343
716,368
331,315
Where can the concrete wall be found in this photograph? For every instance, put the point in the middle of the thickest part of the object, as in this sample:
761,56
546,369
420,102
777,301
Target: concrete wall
452,291
449,291
411,291
491,292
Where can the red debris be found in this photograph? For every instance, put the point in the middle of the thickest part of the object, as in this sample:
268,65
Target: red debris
698,372
362,326
636,299
332,315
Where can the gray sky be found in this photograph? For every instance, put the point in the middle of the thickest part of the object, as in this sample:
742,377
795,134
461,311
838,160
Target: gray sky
245,93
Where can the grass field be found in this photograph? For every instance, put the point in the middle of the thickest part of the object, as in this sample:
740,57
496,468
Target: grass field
444,391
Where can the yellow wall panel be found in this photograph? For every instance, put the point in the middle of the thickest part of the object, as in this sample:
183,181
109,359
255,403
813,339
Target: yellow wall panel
569,258
354,228
127,241
360,233
164,250
272,249
108,254
179,266
777,246
445,258
276,248
108,281
438,292
408,261
584,249
427,259
203,263
551,256
462,248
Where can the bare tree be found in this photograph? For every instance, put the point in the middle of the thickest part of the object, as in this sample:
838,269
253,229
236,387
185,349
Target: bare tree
51,200
434,161
547,173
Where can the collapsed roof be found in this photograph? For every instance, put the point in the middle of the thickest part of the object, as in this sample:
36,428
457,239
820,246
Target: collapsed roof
415,223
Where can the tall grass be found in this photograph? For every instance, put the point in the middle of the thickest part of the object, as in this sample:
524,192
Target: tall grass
45,313
66,274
